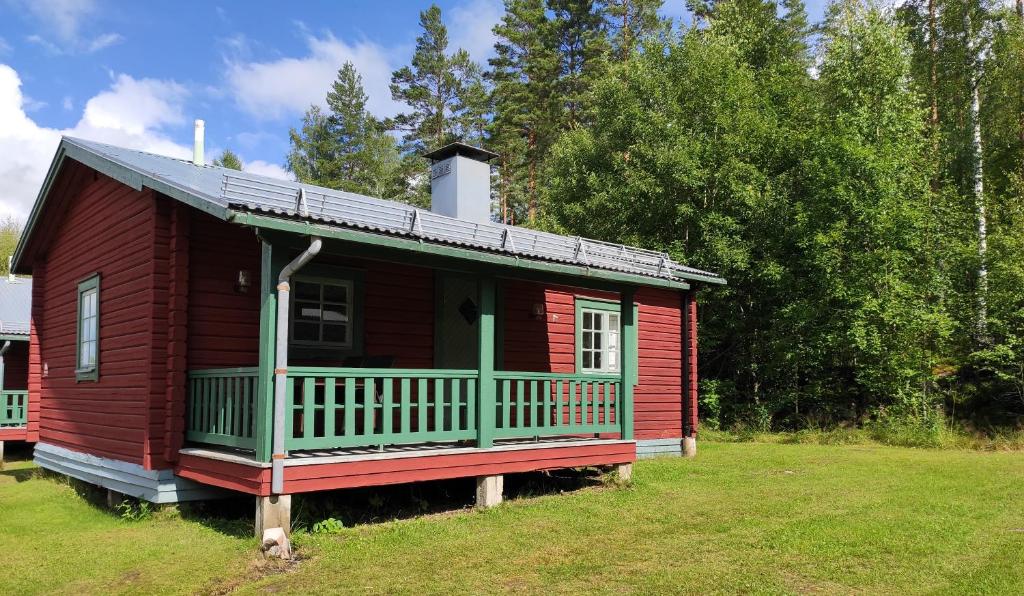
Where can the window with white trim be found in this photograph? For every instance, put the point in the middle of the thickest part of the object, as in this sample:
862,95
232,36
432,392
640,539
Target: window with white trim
88,345
599,335
321,313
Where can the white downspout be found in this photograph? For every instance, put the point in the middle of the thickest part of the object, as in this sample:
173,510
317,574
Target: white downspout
281,361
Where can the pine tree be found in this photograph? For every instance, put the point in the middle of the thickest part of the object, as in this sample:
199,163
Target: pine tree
228,159
446,96
583,48
524,72
444,91
346,148
312,153
631,22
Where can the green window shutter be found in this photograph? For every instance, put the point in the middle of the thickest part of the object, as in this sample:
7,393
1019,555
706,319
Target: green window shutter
87,334
611,306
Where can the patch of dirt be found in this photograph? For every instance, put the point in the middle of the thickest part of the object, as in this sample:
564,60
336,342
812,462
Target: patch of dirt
259,568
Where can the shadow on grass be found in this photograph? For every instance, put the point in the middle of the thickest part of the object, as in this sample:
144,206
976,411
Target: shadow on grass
235,515
378,504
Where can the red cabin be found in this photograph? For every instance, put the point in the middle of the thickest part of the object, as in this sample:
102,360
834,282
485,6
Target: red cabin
201,329
19,417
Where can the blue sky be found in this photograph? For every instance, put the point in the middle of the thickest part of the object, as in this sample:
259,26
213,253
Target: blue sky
138,73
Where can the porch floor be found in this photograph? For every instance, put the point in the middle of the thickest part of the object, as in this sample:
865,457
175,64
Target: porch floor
329,469
352,454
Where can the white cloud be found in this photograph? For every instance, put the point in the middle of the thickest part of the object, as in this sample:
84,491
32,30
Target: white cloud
136,105
104,41
271,170
65,19
131,113
67,103
285,87
4,46
470,26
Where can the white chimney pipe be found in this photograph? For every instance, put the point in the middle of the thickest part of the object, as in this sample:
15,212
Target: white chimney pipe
460,182
197,146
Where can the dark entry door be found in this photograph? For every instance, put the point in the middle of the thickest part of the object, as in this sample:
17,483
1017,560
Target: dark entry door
456,338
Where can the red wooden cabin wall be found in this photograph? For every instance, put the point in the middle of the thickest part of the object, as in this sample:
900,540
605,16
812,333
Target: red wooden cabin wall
105,228
223,324
547,344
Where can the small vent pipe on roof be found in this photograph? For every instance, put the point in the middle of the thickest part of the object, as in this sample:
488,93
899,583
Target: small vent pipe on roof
197,145
281,361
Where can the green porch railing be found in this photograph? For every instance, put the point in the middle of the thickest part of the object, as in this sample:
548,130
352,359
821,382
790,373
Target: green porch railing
358,407
222,407
13,408
330,408
552,404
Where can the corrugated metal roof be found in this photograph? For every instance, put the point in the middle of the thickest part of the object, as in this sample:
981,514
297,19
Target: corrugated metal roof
15,305
241,191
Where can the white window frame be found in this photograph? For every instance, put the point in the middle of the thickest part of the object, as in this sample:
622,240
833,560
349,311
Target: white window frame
350,311
610,334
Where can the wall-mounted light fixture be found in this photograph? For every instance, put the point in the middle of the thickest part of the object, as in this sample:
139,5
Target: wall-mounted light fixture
242,283
538,310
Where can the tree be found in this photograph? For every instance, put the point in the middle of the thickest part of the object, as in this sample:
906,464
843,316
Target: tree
228,159
10,233
866,218
446,96
444,92
312,153
347,148
631,23
523,71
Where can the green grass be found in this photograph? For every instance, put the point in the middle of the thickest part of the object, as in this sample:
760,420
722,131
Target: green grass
55,540
742,517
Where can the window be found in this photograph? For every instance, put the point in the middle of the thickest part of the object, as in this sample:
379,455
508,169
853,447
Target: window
321,313
599,338
600,341
88,346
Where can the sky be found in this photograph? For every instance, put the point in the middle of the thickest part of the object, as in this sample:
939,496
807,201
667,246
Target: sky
137,74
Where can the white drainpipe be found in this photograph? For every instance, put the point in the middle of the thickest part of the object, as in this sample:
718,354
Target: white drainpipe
281,361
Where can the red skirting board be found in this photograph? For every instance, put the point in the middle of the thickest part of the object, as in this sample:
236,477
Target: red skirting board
14,434
311,477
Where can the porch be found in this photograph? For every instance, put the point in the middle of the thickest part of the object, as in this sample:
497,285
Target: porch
13,414
363,426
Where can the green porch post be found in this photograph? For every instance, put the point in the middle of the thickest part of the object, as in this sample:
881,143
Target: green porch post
264,428
627,361
485,379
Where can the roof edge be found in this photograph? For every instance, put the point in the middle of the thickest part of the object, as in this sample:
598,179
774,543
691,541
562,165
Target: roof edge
303,227
122,172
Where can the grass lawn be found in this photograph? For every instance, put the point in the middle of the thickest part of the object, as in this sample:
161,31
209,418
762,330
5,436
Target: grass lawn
745,517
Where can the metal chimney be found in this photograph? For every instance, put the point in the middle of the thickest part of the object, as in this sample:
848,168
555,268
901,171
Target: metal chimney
460,182
197,146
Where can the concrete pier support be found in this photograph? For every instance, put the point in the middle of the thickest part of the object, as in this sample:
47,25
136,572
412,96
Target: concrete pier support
488,491
114,499
623,472
689,446
1,455
273,512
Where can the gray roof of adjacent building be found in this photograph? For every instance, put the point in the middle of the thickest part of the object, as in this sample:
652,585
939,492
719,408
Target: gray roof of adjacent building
222,191
15,306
